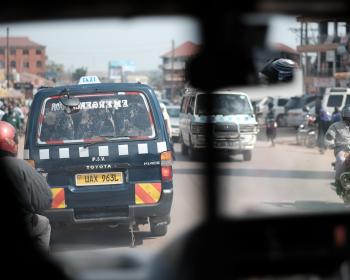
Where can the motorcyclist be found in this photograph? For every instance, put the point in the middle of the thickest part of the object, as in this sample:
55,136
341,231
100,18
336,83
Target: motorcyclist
338,136
12,117
271,124
336,115
323,120
29,187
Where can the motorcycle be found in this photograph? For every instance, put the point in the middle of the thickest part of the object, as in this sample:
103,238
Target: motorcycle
344,189
271,129
307,132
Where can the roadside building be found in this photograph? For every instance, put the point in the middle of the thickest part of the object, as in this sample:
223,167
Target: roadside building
24,56
324,49
174,65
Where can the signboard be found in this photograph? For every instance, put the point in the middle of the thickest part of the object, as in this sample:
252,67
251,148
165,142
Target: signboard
116,68
324,82
330,56
343,83
89,80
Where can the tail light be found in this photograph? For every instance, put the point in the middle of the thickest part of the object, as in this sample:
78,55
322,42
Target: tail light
166,161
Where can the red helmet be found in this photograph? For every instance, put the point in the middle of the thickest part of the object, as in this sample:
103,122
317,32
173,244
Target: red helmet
8,138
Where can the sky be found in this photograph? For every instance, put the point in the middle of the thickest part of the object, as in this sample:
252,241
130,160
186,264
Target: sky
93,43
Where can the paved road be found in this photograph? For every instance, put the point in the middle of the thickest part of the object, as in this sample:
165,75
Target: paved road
284,178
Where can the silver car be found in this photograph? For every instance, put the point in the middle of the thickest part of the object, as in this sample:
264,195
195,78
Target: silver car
174,113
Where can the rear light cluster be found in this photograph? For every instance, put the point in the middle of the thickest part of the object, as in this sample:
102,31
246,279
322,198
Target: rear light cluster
166,161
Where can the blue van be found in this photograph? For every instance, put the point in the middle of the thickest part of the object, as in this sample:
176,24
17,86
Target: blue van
105,152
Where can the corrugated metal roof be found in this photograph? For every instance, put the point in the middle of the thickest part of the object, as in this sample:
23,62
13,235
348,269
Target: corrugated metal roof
284,48
185,50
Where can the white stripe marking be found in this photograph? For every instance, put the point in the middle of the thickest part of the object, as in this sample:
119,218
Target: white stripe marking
103,151
121,93
64,152
83,152
161,147
25,154
143,148
123,150
44,154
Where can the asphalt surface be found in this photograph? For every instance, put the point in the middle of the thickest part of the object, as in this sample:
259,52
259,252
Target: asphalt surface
285,179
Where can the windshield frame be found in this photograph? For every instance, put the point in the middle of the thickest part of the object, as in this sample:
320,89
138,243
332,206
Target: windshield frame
224,93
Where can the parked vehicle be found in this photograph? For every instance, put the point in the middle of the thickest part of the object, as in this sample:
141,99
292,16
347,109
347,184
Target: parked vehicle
278,105
307,131
174,114
231,119
294,109
335,97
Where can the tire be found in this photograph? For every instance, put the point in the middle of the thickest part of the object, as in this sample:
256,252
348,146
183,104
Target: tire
193,154
311,141
158,230
346,197
184,148
247,155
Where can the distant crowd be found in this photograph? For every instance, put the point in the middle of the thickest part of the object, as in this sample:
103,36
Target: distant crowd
15,112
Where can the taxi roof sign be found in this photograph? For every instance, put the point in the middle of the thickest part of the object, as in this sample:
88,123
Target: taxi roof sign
89,80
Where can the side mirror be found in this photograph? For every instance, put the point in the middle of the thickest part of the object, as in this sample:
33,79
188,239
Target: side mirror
70,103
306,109
277,70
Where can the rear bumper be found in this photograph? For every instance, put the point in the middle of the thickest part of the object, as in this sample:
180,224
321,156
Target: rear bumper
135,212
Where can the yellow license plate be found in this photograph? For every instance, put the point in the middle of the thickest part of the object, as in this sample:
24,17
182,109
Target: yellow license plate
97,179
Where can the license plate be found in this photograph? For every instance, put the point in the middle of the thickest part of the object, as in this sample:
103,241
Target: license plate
97,179
221,144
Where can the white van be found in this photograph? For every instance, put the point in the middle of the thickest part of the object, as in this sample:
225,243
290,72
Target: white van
232,120
335,97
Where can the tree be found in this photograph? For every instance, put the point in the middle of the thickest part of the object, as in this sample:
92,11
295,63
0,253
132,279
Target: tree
54,71
54,67
78,73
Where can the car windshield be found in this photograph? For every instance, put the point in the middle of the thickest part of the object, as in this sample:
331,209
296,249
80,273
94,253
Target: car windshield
223,104
173,112
294,103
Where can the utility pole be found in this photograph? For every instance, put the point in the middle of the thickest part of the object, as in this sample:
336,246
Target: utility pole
172,68
7,58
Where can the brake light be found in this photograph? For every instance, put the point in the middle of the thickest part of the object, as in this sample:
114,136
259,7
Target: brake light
166,162
167,173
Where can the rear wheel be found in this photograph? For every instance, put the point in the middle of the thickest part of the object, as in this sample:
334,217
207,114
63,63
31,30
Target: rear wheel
193,153
159,225
184,148
247,155
311,140
158,230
